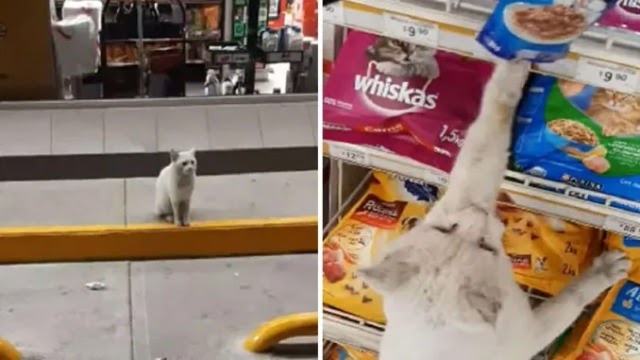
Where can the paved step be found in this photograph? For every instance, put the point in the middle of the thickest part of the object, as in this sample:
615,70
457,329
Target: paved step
157,126
187,310
131,201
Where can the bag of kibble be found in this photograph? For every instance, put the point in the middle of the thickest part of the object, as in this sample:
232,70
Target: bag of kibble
546,253
538,30
390,207
582,135
613,331
344,352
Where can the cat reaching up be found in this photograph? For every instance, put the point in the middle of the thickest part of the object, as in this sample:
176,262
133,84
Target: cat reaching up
174,187
447,284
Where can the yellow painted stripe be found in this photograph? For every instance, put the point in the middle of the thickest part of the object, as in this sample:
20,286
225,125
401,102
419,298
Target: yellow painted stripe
158,241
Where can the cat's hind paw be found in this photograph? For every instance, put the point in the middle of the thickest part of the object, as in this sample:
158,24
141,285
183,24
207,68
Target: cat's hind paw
613,264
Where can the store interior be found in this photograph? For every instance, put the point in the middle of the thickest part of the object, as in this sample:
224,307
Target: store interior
387,159
158,49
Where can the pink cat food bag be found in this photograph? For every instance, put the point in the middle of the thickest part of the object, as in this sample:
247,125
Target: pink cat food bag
624,14
403,98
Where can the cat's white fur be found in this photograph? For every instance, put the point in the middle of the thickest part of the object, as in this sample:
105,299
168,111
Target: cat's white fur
174,187
447,284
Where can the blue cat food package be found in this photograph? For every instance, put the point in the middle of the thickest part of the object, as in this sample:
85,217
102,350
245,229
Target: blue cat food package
538,30
581,135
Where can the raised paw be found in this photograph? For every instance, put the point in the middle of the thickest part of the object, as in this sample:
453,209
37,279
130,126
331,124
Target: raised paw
511,77
613,264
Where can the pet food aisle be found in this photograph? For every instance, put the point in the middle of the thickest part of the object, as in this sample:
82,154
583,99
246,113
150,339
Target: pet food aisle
403,81
89,271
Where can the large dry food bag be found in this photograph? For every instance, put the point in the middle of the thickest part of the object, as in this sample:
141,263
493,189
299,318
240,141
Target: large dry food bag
403,98
584,136
613,332
390,207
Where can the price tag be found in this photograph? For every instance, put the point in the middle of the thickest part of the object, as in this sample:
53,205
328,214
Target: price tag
413,31
606,75
350,154
435,177
333,13
622,226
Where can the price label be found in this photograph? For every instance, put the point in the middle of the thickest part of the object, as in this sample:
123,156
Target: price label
350,154
622,226
413,31
435,177
334,13
606,75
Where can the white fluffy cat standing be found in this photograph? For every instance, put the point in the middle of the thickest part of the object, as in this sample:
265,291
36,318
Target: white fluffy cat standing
447,284
174,187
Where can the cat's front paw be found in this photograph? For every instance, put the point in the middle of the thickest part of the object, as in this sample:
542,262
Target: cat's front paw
614,265
511,75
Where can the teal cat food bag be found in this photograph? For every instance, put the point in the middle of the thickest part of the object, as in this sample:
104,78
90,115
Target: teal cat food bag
581,135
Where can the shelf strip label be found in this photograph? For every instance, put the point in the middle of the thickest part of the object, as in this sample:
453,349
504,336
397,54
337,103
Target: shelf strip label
622,226
607,75
350,153
410,30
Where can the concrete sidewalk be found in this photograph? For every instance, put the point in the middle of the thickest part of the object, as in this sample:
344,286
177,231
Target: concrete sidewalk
178,310
131,201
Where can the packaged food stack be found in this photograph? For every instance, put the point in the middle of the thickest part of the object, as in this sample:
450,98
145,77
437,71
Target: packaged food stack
403,98
390,207
344,352
582,135
546,253
612,332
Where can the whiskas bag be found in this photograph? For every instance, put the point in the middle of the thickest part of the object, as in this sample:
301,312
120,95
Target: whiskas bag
624,15
403,98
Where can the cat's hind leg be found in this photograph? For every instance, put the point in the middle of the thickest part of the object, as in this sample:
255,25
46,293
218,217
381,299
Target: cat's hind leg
163,207
555,315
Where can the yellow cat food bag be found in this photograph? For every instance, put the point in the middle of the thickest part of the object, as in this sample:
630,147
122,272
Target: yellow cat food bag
613,332
546,253
390,207
344,352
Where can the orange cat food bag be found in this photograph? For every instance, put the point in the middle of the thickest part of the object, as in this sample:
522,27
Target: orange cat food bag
344,352
390,207
546,253
613,332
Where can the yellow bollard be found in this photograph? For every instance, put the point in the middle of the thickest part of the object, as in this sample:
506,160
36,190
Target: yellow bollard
282,328
8,351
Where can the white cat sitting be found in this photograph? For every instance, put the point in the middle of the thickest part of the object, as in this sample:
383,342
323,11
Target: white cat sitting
174,187
447,284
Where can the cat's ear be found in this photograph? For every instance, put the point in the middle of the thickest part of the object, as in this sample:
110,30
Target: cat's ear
192,152
174,155
394,270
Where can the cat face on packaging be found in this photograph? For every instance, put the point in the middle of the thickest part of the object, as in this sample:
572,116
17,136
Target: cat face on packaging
185,161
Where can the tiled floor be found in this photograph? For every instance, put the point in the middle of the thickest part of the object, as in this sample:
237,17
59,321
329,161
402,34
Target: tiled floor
179,310
131,201
118,130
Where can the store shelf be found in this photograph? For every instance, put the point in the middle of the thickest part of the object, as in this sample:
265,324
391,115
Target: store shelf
459,21
343,328
539,195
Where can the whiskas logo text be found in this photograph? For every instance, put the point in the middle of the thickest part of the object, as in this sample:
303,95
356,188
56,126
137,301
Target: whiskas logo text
397,92
632,6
